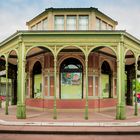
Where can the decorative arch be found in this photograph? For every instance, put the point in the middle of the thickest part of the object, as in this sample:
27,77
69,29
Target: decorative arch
36,46
106,80
92,48
71,79
5,56
12,51
137,57
127,50
109,62
65,46
71,56
33,63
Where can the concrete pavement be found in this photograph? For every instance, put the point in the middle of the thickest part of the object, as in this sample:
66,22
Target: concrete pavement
41,121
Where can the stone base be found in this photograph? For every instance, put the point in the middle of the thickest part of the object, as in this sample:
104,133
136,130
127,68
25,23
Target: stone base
121,112
21,111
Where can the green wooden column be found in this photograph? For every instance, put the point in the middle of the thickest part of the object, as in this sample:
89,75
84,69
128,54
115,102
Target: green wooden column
121,111
136,103
0,94
86,78
55,84
21,108
7,96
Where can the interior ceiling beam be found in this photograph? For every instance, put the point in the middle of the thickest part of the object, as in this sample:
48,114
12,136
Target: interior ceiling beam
38,53
45,49
13,56
71,50
108,54
129,56
97,49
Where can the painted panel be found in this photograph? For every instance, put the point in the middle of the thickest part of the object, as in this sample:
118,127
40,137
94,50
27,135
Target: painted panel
71,85
96,86
51,86
46,86
90,86
38,86
115,88
105,85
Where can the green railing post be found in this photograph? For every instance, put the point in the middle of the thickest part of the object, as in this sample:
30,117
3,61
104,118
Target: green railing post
0,94
55,88
6,103
136,103
86,105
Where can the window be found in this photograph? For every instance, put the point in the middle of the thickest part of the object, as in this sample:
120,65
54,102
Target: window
98,24
104,25
110,27
59,23
39,26
33,27
71,22
83,22
45,24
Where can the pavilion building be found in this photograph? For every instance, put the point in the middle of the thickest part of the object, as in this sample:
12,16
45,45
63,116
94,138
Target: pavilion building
70,58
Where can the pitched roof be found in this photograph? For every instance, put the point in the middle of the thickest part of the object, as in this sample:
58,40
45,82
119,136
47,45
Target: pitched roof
71,9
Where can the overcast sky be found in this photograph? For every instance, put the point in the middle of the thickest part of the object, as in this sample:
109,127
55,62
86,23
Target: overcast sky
15,13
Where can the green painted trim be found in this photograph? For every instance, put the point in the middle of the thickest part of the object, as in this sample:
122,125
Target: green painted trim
15,51
21,111
21,108
55,89
7,96
39,44
53,32
97,46
127,51
121,110
86,105
136,102
61,48
0,94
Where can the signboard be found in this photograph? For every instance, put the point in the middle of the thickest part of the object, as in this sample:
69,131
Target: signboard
2,72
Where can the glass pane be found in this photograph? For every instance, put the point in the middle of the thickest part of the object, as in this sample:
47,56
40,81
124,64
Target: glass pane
104,26
59,22
39,26
71,67
105,85
71,22
45,24
98,24
71,85
34,27
110,27
83,22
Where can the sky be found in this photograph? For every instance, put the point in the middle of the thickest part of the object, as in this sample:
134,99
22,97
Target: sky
15,13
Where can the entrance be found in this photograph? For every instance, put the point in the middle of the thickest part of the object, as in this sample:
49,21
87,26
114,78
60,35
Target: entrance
71,79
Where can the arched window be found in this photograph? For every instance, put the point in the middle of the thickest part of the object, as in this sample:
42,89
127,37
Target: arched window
106,75
71,79
37,80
